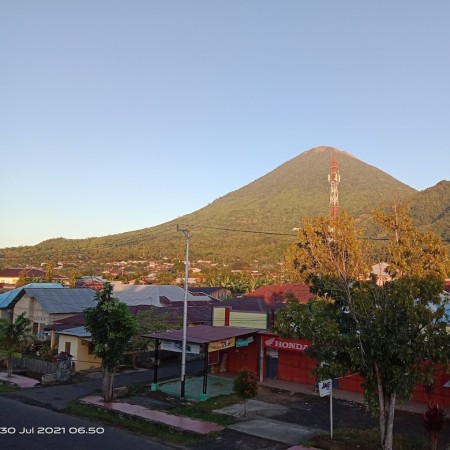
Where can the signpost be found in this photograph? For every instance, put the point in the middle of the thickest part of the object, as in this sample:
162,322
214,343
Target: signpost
326,388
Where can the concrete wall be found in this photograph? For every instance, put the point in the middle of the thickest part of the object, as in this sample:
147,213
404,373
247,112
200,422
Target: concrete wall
36,313
248,319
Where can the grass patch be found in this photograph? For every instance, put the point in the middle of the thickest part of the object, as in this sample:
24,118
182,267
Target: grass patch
354,439
204,410
137,388
7,387
154,430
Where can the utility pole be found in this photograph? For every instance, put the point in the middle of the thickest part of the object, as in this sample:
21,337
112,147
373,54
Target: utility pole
187,235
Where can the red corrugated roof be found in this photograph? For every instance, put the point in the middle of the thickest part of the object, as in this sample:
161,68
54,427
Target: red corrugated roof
277,292
447,285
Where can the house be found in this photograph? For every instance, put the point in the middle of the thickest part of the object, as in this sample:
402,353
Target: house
258,308
73,338
45,305
8,297
77,342
218,292
95,283
156,295
12,276
380,271
246,312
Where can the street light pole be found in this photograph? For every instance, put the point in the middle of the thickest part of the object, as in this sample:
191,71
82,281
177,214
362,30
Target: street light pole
187,235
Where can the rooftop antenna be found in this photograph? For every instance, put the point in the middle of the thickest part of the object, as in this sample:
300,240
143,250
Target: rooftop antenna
334,178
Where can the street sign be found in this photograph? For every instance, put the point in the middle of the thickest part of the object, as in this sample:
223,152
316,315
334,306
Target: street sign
325,388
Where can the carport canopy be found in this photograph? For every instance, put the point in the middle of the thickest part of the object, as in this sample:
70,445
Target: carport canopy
212,338
203,334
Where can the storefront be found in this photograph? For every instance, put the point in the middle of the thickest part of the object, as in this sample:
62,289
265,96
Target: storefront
285,359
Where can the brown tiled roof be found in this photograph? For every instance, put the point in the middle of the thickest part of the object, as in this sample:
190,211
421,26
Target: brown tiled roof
15,272
277,292
190,303
203,334
68,322
196,314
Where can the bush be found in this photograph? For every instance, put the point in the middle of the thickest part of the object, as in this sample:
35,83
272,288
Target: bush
246,385
46,353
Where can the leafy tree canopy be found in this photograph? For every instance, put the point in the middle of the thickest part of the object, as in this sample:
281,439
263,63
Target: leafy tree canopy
112,327
391,334
13,336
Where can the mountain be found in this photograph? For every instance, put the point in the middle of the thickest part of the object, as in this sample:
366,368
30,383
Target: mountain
256,222
431,209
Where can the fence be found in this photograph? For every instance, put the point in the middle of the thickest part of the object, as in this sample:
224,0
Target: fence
34,365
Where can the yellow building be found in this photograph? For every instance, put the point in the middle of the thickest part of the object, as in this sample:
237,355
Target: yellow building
77,342
225,316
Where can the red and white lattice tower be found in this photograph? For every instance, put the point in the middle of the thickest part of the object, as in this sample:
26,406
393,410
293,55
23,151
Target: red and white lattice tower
334,178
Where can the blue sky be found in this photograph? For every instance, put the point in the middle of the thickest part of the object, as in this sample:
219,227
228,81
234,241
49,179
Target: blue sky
121,115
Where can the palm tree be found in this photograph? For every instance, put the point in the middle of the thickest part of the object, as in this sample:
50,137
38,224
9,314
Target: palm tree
12,339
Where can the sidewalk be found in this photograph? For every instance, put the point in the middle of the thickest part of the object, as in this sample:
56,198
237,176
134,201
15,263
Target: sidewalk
258,426
178,422
18,380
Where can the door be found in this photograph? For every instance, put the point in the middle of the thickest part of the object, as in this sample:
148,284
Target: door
271,364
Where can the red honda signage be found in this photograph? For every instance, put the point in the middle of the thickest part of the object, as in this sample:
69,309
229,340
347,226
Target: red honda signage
294,345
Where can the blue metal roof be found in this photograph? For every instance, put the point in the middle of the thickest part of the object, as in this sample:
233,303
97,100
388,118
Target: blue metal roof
8,297
76,331
63,301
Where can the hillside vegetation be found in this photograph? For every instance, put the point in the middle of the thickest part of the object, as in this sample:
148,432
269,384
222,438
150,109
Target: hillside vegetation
234,226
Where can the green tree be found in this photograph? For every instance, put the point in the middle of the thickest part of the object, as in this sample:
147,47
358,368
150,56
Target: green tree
13,339
73,278
23,279
165,278
328,247
49,272
151,321
237,283
390,334
112,326
412,251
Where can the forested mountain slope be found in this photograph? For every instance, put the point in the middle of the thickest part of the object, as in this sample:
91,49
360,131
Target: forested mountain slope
233,227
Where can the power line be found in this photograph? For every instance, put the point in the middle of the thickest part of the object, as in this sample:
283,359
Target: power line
243,231
143,239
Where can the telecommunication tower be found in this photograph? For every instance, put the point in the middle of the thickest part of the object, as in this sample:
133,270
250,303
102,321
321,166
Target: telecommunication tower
334,178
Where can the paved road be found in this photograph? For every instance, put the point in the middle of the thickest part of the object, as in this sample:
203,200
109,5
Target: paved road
59,396
26,426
